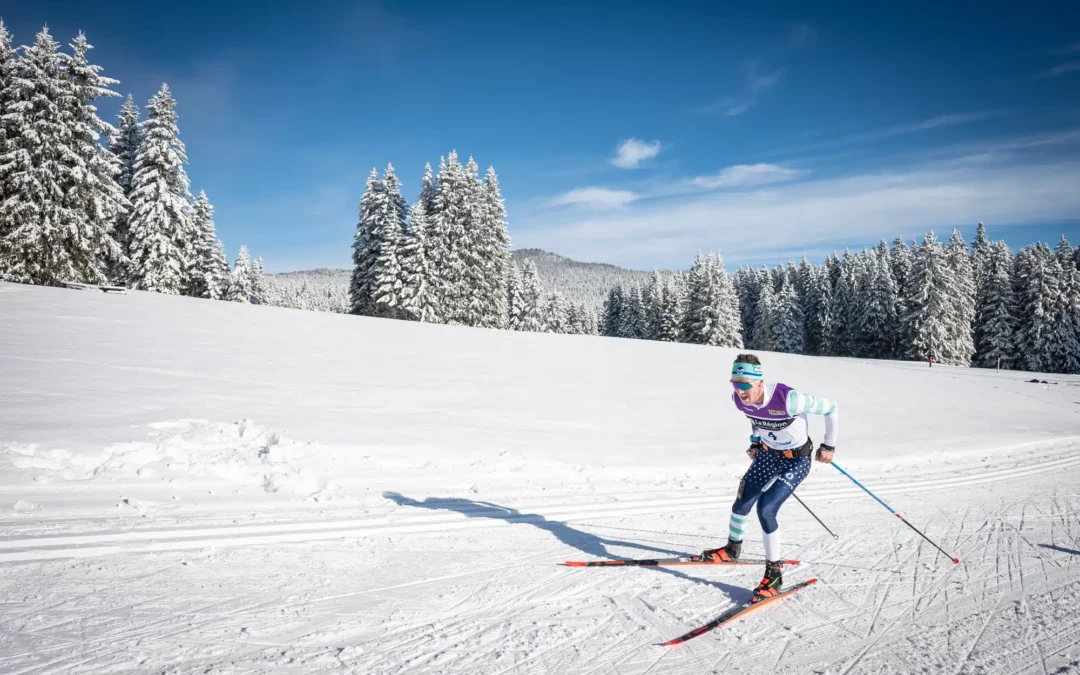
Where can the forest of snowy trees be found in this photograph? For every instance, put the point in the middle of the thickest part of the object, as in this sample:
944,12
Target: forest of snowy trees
981,306
85,201
446,258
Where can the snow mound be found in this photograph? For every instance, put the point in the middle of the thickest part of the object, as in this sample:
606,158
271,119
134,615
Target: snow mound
241,453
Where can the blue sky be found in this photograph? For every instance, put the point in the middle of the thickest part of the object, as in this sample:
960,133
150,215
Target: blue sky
630,133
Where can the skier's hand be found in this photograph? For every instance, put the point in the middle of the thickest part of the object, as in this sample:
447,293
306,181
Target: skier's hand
825,453
753,450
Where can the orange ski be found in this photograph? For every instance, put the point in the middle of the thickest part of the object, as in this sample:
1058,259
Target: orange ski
737,612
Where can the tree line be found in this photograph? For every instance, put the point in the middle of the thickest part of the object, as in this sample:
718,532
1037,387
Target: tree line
946,302
89,202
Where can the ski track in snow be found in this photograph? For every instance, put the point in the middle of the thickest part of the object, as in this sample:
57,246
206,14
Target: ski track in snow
138,601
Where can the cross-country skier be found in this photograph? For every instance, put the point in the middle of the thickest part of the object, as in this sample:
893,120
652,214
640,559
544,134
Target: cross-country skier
780,448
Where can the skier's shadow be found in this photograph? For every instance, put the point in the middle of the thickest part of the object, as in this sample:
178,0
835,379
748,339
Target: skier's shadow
587,543
1060,548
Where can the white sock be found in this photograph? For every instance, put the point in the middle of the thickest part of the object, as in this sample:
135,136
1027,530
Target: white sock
772,545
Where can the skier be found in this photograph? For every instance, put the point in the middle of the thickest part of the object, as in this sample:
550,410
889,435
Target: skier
780,448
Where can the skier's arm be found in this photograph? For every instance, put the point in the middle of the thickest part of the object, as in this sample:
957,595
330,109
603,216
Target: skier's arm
805,404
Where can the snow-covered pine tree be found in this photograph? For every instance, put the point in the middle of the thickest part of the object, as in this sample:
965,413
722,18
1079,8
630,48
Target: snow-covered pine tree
532,319
453,215
386,230
788,329
712,312
60,196
926,326
218,277
258,282
765,319
1037,297
472,297
832,266
573,320
1065,342
778,275
495,240
515,302
863,272
980,258
94,186
124,144
9,69
160,226
613,307
366,246
818,314
591,327
879,323
670,319
204,265
417,282
554,314
845,309
961,348
241,287
652,298
994,322
900,260
748,289
633,315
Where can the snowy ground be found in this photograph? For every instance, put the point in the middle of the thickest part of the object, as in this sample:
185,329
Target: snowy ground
191,486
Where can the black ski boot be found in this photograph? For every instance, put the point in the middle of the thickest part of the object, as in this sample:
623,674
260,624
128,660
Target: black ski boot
770,585
729,553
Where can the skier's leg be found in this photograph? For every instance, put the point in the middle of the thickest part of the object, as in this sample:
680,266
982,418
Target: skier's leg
794,471
761,471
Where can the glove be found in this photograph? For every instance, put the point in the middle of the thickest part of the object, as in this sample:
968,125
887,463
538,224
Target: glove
825,453
753,449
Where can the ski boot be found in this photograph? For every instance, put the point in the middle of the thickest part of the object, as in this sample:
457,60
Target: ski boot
729,553
770,585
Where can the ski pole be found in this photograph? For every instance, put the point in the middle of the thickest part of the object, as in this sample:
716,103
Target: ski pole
956,561
834,535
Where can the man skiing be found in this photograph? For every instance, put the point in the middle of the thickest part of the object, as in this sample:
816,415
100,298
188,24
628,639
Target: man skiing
780,448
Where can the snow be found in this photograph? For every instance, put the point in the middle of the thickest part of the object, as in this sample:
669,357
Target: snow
199,486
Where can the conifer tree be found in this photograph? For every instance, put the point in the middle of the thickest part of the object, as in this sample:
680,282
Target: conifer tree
995,324
961,282
241,288
788,330
926,323
418,291
161,231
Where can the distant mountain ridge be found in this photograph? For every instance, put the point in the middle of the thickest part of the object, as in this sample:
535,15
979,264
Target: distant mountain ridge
581,283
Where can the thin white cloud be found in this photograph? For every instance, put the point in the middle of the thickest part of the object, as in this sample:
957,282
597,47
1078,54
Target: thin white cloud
939,122
738,109
632,152
1068,49
800,34
759,80
809,214
1063,69
745,175
729,107
595,197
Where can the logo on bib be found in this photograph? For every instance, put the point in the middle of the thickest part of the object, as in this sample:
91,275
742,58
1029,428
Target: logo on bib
777,412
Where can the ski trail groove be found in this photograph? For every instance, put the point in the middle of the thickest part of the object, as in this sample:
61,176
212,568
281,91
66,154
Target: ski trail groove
24,549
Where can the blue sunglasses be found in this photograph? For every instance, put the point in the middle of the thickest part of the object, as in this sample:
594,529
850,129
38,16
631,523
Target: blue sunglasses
743,386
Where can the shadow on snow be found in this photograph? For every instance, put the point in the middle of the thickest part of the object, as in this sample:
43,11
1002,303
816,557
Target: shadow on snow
587,543
1060,548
